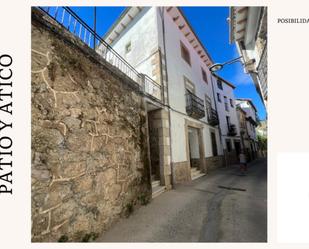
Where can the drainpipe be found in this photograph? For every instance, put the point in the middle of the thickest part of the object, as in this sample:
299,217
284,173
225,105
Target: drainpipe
161,11
220,133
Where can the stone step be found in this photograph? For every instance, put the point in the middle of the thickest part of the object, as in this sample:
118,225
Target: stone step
155,183
194,169
153,177
157,191
198,175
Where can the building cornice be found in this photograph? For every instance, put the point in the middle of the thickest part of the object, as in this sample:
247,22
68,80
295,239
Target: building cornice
225,81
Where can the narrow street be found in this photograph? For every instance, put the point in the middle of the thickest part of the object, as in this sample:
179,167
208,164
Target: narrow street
222,206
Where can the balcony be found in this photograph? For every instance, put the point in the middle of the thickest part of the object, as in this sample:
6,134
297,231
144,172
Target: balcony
231,130
212,117
194,106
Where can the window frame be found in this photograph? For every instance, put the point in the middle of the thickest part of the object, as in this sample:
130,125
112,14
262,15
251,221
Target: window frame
183,49
204,75
219,97
226,105
128,45
219,84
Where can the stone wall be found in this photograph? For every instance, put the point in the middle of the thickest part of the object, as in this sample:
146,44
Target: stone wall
154,144
181,172
160,145
214,162
89,152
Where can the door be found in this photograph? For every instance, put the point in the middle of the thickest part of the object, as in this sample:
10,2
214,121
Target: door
194,152
237,148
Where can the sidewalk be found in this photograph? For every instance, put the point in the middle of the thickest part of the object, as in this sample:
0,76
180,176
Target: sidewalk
202,211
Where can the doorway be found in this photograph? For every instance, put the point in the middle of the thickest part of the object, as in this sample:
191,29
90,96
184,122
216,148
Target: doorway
237,148
194,154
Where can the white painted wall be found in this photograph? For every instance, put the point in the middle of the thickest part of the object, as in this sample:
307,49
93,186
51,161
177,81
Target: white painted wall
250,112
178,68
142,32
193,143
222,113
146,34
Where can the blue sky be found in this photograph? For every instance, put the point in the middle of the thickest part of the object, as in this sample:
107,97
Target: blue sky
211,26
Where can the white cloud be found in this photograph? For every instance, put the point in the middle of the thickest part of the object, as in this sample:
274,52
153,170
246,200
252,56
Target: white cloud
240,77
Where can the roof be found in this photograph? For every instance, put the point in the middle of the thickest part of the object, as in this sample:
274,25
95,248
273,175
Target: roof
238,23
248,100
240,109
183,24
225,81
122,15
195,34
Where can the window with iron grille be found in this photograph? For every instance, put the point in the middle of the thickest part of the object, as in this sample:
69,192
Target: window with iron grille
231,103
185,54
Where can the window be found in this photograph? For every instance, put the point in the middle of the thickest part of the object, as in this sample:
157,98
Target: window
214,144
189,85
228,145
219,84
218,97
185,53
204,75
226,104
231,103
128,47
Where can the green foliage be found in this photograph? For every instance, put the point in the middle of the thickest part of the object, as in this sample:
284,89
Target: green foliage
262,142
63,238
88,237
129,209
143,199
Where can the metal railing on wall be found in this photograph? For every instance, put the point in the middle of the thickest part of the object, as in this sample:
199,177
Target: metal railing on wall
68,19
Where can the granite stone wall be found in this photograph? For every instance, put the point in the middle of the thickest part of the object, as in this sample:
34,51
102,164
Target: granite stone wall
89,151
214,162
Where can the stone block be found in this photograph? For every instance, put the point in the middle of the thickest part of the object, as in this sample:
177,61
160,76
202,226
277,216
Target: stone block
93,122
181,172
39,223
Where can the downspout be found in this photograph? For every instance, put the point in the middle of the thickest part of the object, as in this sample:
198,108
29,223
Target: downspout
220,133
161,11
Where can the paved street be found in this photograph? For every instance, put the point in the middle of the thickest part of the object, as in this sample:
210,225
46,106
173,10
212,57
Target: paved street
204,211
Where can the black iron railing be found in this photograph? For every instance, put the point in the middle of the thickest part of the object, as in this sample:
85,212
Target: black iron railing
212,117
68,19
231,130
194,106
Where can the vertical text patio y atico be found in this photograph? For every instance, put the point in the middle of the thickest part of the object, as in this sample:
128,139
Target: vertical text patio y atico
6,141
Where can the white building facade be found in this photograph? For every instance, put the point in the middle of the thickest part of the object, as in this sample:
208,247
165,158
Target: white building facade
184,136
248,29
229,123
250,140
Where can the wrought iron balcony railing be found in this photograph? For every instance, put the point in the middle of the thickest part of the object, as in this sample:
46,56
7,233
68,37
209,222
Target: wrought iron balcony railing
194,106
212,117
232,130
69,20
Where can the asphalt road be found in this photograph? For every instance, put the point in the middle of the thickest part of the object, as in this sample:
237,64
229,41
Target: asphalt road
206,210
